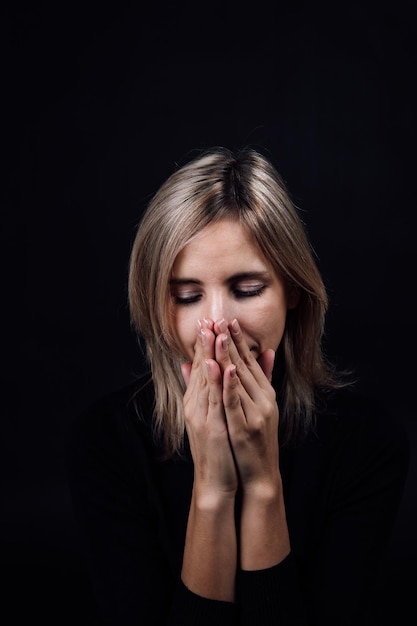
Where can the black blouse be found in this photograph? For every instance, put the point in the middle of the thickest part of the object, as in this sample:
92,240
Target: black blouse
342,487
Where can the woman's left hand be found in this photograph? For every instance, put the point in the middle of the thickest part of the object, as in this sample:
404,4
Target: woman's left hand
251,409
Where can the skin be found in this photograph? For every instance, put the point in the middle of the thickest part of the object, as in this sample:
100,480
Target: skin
218,254
229,309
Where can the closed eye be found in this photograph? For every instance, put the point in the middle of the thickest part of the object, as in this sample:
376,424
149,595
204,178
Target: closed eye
184,299
249,293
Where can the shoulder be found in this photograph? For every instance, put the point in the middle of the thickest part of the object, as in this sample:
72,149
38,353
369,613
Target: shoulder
114,424
353,424
351,410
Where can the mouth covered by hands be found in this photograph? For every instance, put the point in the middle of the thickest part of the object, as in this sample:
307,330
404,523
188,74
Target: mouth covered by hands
231,413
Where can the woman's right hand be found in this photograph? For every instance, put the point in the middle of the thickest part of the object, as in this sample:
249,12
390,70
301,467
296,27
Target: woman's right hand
215,473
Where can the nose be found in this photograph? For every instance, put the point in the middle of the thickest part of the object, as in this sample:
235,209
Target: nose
220,306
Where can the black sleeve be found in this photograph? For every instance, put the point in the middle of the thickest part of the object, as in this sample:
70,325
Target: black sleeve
132,581
368,473
271,596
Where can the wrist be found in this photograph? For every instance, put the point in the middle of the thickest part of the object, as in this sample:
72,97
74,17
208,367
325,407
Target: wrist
264,537
211,500
263,491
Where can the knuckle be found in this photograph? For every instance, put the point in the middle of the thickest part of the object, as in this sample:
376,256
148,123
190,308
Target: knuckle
249,358
257,427
213,400
203,381
187,414
232,402
240,365
266,407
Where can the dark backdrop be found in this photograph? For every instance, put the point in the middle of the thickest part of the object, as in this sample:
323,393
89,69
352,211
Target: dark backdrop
101,102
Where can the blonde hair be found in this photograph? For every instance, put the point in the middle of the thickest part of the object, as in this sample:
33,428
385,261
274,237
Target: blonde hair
215,185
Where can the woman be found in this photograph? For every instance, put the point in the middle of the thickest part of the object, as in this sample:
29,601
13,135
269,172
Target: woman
241,481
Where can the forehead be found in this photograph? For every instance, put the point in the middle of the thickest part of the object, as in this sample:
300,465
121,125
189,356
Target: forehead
226,245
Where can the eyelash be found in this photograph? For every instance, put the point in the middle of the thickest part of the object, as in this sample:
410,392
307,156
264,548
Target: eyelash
191,300
238,293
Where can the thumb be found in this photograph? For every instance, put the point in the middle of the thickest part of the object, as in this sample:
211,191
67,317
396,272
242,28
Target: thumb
266,361
186,372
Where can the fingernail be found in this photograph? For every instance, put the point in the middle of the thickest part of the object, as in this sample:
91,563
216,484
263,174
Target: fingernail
235,326
225,343
233,372
203,337
222,325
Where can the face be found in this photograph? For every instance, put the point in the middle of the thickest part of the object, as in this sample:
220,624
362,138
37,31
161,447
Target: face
223,274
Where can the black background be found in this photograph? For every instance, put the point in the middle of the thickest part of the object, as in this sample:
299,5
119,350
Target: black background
100,103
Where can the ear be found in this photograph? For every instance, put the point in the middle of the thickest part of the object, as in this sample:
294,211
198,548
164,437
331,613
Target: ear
293,296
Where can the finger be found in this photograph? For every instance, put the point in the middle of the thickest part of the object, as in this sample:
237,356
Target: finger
204,345
255,377
221,351
202,383
195,373
206,338
240,342
222,343
220,326
208,323
215,391
232,392
204,400
245,360
243,410
212,386
216,417
266,361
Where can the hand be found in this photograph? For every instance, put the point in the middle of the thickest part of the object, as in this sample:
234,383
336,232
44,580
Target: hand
250,408
214,468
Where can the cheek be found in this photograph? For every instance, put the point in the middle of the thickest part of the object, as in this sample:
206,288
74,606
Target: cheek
267,326
273,332
185,325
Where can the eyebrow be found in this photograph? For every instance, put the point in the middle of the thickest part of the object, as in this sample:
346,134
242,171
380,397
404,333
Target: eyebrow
263,275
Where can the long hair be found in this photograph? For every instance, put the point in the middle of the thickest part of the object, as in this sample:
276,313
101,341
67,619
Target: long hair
221,184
